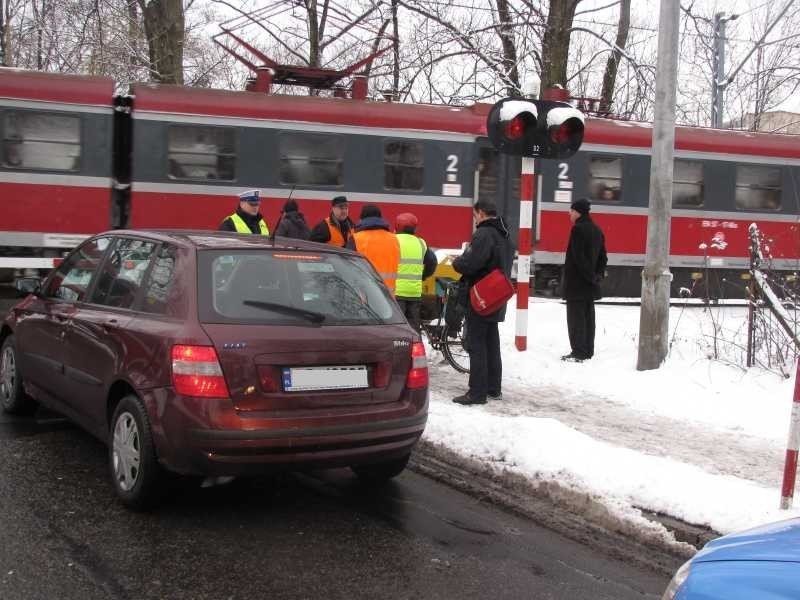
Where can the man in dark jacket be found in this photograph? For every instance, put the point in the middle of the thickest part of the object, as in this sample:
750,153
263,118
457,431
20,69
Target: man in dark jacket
490,249
337,227
584,268
292,223
247,218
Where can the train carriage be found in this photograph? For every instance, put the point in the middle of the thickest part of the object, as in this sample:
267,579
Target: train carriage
76,159
195,149
56,135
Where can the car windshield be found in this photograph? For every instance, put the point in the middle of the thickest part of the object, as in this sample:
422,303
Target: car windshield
286,287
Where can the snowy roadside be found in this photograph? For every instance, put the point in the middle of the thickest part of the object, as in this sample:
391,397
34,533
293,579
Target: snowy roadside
699,440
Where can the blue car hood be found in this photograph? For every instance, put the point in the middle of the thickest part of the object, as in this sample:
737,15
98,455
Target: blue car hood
774,542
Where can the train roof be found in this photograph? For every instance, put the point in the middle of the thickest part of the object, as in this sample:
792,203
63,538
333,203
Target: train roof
634,134
310,109
90,90
446,119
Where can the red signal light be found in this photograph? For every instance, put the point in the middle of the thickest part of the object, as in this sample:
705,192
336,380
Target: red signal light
515,128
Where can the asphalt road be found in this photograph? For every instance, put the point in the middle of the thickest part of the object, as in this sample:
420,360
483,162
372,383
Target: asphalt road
314,535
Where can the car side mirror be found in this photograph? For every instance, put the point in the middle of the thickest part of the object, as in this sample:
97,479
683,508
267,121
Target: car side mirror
28,285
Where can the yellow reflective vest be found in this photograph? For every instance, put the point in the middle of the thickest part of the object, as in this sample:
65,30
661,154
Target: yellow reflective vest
241,226
412,264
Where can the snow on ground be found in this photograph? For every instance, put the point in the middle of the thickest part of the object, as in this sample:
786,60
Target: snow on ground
699,439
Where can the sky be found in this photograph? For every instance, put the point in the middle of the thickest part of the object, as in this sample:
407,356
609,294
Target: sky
698,439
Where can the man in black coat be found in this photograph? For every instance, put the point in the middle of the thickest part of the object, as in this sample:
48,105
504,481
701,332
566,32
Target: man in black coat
584,268
490,249
292,223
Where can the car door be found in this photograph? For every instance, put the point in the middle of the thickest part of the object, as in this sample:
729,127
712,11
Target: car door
43,325
97,340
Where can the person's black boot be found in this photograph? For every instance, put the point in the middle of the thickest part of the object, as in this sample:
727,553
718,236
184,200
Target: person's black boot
467,400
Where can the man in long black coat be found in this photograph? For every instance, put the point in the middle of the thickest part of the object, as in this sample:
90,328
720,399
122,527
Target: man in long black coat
584,268
490,249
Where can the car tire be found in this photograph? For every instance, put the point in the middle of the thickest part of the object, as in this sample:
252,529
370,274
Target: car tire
13,398
381,472
139,480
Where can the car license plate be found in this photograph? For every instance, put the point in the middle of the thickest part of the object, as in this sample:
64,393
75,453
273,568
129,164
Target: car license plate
299,379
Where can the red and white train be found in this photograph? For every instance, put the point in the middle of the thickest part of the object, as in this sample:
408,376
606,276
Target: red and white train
76,159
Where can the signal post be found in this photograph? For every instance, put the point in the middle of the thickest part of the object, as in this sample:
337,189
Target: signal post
527,191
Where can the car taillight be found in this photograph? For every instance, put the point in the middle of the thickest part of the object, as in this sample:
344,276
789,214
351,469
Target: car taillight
418,374
196,372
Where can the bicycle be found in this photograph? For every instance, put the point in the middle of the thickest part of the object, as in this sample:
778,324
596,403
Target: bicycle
448,339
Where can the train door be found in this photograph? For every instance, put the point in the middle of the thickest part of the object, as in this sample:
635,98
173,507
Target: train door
497,180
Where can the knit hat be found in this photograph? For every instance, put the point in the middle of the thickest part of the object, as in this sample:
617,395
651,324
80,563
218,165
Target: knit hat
370,210
290,206
339,200
582,206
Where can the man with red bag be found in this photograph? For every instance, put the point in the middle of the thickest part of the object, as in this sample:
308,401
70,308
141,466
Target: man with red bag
489,250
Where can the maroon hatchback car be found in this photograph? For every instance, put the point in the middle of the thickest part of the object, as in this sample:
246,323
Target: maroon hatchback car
218,355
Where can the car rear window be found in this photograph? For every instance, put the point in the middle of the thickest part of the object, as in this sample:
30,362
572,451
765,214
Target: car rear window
291,288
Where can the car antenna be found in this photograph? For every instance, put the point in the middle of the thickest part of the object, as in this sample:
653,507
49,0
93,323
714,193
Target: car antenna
275,231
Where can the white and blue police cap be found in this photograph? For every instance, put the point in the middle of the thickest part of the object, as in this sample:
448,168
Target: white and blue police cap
251,196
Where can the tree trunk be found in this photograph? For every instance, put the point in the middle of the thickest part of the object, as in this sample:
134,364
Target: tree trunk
3,36
395,54
164,29
610,75
555,44
506,32
313,33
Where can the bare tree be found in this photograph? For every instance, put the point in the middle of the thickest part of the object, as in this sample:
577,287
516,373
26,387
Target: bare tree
610,75
555,45
164,27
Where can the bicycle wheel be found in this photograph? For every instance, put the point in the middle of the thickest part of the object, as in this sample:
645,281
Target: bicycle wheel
454,351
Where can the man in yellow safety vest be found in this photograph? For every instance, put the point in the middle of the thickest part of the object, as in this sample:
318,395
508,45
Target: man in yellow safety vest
247,218
417,262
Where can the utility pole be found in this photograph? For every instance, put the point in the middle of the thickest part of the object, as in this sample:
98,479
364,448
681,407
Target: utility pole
718,70
718,84
656,277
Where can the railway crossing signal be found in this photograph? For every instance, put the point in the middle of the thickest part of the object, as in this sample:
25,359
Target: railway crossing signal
535,128
531,129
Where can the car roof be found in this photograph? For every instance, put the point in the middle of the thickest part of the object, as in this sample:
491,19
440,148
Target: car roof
224,240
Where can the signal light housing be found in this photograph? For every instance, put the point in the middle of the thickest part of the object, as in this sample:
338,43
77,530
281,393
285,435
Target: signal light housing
536,128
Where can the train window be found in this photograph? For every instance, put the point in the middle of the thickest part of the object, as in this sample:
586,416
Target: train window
687,184
605,178
402,165
34,140
758,188
201,152
311,159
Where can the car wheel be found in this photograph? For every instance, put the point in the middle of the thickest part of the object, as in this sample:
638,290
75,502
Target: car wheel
12,395
138,478
381,472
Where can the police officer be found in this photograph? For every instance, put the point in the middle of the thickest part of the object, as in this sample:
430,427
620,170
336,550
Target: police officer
247,218
337,227
417,262
374,239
